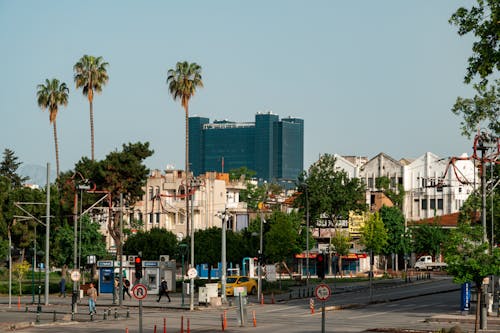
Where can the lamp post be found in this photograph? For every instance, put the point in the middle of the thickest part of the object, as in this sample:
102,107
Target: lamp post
307,236
183,250
261,254
223,257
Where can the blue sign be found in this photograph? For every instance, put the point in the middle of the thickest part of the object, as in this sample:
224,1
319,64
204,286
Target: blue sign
465,297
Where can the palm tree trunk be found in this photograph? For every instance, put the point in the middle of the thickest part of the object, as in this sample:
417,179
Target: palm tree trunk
91,129
57,147
187,169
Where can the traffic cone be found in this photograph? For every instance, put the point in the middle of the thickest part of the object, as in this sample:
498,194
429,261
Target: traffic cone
182,324
225,320
19,302
254,319
261,299
164,325
126,329
188,327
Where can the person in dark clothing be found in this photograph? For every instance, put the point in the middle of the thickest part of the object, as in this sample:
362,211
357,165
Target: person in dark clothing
62,287
163,290
126,286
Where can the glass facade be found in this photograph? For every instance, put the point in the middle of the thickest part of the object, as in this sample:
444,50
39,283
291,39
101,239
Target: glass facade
272,148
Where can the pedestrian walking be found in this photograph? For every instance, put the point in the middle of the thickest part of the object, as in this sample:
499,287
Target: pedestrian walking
126,286
92,294
62,287
163,290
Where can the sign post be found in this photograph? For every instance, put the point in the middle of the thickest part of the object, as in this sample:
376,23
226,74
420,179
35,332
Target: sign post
139,291
323,293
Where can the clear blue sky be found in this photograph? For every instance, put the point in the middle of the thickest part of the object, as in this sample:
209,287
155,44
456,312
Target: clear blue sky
366,76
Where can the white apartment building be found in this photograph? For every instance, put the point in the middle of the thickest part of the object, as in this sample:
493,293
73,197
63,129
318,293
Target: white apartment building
436,187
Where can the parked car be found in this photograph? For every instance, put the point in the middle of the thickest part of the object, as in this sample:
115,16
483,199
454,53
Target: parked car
239,281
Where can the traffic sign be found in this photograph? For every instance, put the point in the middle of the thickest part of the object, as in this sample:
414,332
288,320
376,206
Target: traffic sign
139,291
322,292
75,275
192,273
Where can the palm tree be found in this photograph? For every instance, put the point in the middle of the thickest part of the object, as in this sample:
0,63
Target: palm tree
91,75
182,84
49,96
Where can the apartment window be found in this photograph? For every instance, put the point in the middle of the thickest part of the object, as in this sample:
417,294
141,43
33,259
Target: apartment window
424,182
439,188
400,180
432,203
157,218
440,203
158,191
370,182
139,216
150,193
393,182
150,218
423,204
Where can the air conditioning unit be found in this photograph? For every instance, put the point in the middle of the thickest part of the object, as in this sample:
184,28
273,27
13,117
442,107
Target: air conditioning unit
164,258
131,260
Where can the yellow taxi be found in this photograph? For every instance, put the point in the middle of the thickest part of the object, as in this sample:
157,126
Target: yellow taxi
239,281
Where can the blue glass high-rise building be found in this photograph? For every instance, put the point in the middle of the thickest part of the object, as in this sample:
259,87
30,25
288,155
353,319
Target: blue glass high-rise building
271,147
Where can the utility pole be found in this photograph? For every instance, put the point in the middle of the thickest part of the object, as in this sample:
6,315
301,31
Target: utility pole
47,237
223,257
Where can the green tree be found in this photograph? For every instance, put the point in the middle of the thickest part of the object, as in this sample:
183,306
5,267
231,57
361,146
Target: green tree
341,244
253,194
121,172
19,270
283,240
152,243
91,242
8,168
91,75
182,84
50,96
373,234
237,174
482,21
330,192
428,238
394,223
468,258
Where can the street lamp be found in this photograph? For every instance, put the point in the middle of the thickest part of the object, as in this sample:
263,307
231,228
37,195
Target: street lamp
223,218
183,251
261,253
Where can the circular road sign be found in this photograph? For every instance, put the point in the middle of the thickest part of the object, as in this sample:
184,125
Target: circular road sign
192,273
139,291
322,292
75,275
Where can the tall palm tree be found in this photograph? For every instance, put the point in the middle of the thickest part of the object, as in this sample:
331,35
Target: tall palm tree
182,82
91,75
49,96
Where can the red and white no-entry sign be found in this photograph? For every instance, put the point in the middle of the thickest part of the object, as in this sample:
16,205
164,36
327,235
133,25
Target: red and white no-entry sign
139,291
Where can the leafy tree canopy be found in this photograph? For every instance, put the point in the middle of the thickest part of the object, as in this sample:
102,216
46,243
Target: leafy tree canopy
330,191
373,234
428,238
237,174
152,244
394,223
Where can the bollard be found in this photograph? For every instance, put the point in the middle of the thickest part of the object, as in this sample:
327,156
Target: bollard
37,320
188,327
154,330
26,310
105,316
290,297
311,305
222,321
254,319
116,313
128,313
164,325
72,316
109,312
272,298
182,324
54,319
